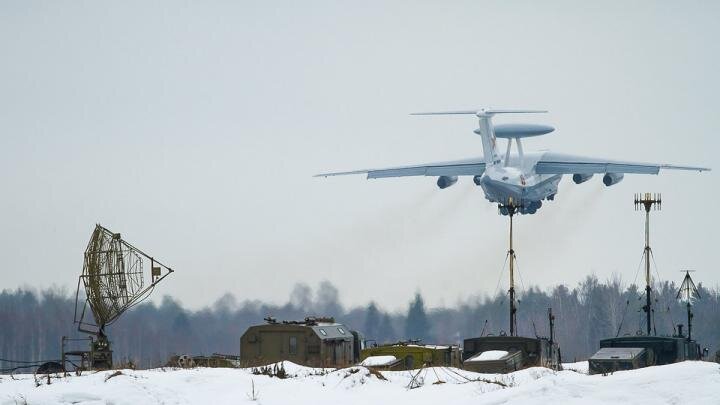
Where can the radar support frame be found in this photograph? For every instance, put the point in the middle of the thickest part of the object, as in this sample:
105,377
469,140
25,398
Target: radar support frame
113,281
511,208
647,202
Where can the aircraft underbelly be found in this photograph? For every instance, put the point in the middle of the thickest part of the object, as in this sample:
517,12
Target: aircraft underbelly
499,191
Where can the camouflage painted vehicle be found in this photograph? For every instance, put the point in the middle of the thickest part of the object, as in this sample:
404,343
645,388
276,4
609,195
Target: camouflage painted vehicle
408,355
313,342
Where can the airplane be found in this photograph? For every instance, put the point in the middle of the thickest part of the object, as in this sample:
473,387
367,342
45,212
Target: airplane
518,182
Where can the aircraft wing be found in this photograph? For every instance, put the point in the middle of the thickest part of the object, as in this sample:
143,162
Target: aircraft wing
556,163
465,167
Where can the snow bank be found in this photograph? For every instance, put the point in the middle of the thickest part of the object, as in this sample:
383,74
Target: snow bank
378,361
488,355
683,383
296,370
579,367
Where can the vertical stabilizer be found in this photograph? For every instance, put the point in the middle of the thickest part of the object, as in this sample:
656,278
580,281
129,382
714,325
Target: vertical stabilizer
489,142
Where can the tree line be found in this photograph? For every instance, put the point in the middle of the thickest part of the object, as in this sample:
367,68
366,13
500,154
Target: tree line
32,323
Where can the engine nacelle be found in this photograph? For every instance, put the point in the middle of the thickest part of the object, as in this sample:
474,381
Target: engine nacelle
446,181
610,179
581,178
477,180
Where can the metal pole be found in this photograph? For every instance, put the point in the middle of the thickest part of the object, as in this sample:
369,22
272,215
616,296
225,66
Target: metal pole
513,310
551,318
690,316
647,268
648,201
62,354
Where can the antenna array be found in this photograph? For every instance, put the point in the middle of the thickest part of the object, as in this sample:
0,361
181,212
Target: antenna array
648,201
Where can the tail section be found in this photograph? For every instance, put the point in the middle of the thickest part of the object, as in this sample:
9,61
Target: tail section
489,141
485,129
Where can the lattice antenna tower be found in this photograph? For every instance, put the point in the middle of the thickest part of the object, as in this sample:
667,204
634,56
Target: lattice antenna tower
510,208
648,202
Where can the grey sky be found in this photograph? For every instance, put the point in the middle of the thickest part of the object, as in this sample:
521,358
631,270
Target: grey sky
194,128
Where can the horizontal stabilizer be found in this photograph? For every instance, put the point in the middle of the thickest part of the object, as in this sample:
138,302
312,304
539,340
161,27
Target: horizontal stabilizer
482,111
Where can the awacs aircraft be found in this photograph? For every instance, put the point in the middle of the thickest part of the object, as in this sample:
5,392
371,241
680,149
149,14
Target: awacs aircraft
521,180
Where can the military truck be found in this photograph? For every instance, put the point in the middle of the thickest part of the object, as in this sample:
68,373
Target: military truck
631,352
505,354
312,342
409,355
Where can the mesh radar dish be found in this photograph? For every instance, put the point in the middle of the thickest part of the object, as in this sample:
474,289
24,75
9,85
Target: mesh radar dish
115,279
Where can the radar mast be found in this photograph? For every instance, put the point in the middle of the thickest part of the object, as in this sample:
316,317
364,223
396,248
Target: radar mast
648,201
510,209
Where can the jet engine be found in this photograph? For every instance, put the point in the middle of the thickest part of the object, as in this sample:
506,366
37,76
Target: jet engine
581,178
610,179
477,180
446,181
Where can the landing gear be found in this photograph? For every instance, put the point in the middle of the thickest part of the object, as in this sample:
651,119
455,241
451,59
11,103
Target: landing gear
533,206
530,207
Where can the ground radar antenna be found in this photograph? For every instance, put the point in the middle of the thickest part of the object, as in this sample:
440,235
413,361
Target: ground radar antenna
688,293
648,201
114,281
510,208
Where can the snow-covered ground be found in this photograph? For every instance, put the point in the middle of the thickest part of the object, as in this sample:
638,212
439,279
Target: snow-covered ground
683,383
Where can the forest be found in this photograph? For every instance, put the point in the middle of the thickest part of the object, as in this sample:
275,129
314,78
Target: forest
33,322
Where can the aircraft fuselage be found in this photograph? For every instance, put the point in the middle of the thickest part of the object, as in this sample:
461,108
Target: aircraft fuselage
515,180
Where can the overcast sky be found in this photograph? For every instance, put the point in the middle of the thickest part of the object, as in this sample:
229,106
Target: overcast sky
194,129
